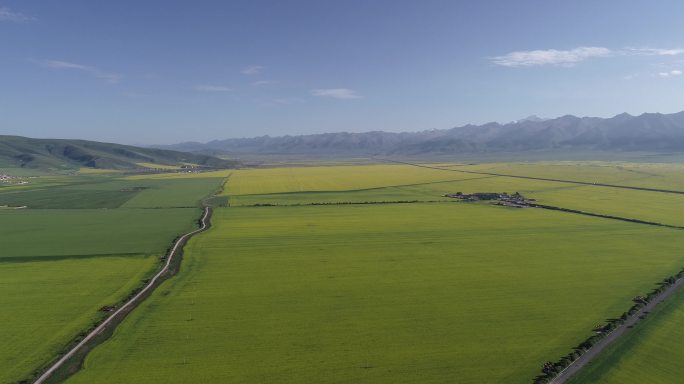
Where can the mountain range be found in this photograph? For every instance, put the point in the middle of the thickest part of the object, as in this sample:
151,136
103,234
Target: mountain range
17,151
624,132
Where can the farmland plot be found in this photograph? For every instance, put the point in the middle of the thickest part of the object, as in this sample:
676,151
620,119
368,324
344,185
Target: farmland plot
408,293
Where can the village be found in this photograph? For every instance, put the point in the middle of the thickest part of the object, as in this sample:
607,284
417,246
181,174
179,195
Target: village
515,200
12,179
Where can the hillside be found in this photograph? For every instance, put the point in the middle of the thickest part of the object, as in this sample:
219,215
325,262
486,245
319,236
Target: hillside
17,151
624,132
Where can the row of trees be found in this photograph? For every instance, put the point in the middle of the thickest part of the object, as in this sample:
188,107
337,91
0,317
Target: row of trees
344,203
551,369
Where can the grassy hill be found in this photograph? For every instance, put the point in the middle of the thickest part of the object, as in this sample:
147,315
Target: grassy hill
24,152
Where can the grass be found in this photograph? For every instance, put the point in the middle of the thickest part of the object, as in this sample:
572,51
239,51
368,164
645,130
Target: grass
66,198
182,175
158,166
173,192
649,206
659,176
428,293
84,192
394,193
97,171
13,171
330,178
45,304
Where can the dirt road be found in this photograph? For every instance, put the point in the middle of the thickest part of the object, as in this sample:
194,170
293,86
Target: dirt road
588,356
124,309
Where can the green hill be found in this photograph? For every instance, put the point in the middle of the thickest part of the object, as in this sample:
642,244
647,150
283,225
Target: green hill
24,152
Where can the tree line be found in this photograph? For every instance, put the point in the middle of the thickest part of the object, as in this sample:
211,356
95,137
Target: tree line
550,369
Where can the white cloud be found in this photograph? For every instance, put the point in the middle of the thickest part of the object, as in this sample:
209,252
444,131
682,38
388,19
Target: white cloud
283,102
550,57
573,56
263,82
654,51
252,70
56,64
211,88
336,93
7,14
108,77
674,72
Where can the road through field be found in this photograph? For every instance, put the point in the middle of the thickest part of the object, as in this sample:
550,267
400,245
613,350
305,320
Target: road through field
122,311
597,348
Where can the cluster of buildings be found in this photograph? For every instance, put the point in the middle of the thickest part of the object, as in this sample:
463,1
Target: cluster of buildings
12,179
515,200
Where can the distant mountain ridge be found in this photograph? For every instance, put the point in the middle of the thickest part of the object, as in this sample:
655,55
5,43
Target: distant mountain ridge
17,151
624,132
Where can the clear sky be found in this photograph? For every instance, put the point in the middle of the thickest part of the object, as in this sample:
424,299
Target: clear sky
146,72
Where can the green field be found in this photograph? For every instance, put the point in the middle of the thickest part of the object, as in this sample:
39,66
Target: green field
109,192
430,185
76,249
659,175
331,178
85,232
46,303
384,293
332,274
172,192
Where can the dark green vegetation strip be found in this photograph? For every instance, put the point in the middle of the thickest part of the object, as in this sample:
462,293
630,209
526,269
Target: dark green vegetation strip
346,203
30,259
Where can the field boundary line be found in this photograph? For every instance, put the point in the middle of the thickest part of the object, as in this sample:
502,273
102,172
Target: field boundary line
331,191
540,178
600,215
125,308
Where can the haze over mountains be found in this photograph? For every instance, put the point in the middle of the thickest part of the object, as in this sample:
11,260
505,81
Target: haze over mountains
649,132
624,132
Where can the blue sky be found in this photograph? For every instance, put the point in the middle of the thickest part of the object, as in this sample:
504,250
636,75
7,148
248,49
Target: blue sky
145,72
